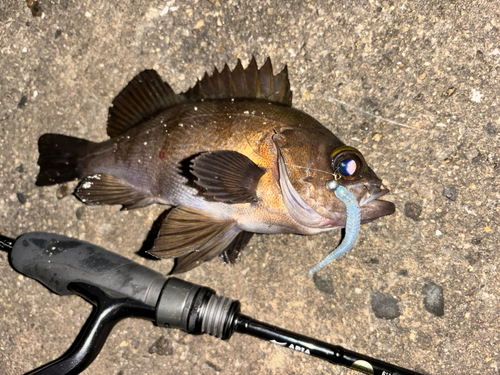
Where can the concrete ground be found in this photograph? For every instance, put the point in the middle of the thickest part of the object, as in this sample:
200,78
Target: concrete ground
413,84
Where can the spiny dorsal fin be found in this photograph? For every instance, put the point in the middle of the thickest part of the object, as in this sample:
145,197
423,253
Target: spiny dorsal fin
141,99
147,94
249,83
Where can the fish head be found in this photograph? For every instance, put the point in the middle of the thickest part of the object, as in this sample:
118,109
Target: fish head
310,157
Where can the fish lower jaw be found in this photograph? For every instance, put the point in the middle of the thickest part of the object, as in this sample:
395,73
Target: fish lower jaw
316,230
326,225
369,211
376,208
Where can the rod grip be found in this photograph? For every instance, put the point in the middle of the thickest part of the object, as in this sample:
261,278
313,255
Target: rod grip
55,261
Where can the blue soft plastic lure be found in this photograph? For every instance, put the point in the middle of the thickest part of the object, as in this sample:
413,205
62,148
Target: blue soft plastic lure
352,225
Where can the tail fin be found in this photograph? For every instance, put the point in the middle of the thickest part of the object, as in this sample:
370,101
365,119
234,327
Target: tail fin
59,158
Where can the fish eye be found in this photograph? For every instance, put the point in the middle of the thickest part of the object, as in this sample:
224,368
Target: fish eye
347,162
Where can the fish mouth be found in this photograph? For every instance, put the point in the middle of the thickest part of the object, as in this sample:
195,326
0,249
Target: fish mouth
372,207
372,194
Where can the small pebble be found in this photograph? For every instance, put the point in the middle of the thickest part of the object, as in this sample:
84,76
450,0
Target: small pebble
413,210
21,198
476,240
449,92
450,192
433,300
199,24
372,261
384,305
213,366
162,346
22,101
403,272
79,212
473,258
62,191
490,129
35,7
323,283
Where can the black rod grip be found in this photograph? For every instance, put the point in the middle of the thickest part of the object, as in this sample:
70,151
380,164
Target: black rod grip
55,261
106,313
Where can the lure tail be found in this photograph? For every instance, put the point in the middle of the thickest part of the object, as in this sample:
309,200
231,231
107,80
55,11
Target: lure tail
352,225
60,158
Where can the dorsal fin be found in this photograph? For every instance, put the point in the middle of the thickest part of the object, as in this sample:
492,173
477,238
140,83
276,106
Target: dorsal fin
141,99
147,94
249,83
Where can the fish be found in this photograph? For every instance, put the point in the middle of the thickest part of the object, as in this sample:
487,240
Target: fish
229,157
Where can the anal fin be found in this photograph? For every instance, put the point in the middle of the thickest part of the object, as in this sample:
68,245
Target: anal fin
193,237
107,189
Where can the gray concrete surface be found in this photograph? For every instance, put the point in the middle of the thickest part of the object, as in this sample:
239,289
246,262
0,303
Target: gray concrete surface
431,68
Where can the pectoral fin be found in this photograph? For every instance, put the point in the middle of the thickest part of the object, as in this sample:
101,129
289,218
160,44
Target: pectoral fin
226,176
107,189
193,237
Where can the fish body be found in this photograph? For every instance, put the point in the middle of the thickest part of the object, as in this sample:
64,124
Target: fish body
230,155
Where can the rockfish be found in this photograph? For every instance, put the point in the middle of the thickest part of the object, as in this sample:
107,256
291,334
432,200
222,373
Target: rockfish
230,156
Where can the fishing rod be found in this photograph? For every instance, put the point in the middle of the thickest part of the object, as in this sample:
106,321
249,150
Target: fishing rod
119,288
